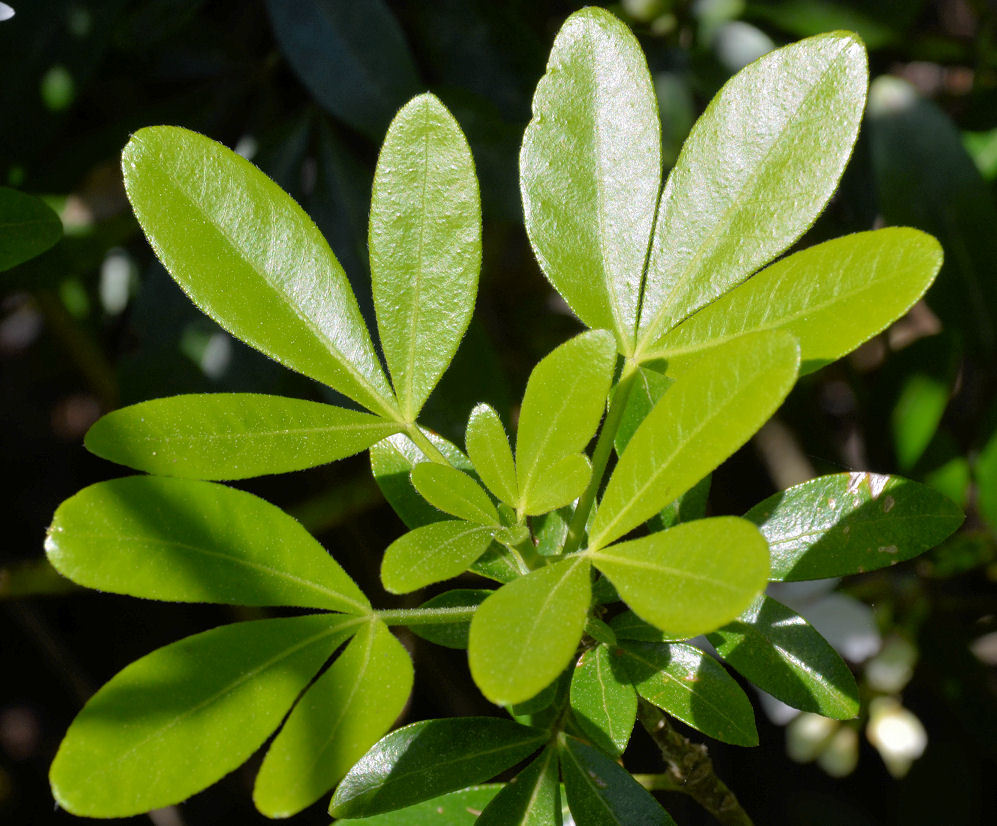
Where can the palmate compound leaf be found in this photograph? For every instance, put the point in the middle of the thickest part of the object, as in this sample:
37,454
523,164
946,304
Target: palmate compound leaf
432,553
341,715
767,153
488,448
429,758
28,227
590,171
526,633
849,523
455,493
189,541
232,435
832,296
692,687
719,399
692,578
425,246
532,798
782,654
182,717
564,401
272,280
603,701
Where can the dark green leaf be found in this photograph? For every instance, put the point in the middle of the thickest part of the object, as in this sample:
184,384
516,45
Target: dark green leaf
604,705
28,227
488,448
451,634
628,626
647,389
432,553
454,492
455,809
532,798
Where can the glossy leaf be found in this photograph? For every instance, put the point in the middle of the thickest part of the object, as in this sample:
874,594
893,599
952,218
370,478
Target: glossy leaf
454,492
719,401
848,523
352,57
693,688
432,553
603,704
488,448
781,653
600,792
563,404
341,715
532,798
272,280
232,435
561,485
767,153
427,759
182,717
28,227
454,809
590,170
525,634
831,297
186,541
692,578
451,634
425,246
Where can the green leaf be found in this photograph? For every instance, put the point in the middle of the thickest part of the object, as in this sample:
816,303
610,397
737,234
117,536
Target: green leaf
451,634
341,715
488,448
917,415
782,654
689,506
232,435
352,57
849,523
28,227
182,717
525,633
431,554
392,462
692,687
719,400
832,296
604,705
454,492
430,758
767,153
590,170
647,389
186,541
563,404
628,626
454,809
272,280
532,798
498,563
600,792
560,485
425,246
692,578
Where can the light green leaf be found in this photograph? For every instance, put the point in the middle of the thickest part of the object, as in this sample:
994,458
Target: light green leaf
692,687
525,633
560,485
451,634
182,717
488,448
692,578
454,492
648,387
427,759
689,506
272,280
425,246
754,173
341,715
432,553
564,401
832,296
782,654
849,523
232,435
590,170
532,798
186,541
454,809
28,227
603,701
717,402
600,792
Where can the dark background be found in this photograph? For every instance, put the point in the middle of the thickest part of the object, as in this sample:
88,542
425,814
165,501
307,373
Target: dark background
96,323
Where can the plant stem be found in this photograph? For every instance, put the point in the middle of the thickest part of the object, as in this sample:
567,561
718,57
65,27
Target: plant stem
689,765
600,457
425,444
426,616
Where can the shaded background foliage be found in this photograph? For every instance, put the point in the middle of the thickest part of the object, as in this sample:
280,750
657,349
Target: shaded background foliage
306,89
